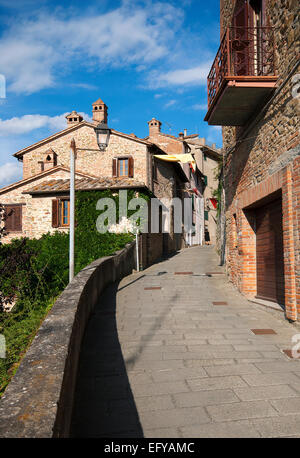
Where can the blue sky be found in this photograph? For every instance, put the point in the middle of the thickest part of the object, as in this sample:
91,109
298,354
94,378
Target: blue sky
144,58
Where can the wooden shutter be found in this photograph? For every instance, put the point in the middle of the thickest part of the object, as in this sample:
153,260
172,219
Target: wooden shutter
55,213
115,167
18,218
240,15
9,218
130,167
240,45
13,222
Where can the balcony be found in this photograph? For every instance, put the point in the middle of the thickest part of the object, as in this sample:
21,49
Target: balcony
242,76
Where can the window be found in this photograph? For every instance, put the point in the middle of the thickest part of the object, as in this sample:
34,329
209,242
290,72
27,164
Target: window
60,213
13,222
122,167
65,212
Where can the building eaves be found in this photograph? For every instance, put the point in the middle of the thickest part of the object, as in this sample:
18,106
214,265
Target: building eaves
84,184
39,176
19,154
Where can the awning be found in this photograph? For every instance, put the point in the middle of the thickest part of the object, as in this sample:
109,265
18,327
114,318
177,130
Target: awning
182,158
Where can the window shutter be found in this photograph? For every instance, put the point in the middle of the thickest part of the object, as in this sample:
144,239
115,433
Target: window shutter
13,218
18,218
115,167
240,15
130,166
9,218
55,213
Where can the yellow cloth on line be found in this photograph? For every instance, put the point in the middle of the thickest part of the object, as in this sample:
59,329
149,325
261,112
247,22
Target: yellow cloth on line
183,158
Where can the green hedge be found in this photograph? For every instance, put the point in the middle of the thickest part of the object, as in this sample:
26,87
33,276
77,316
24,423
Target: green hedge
43,273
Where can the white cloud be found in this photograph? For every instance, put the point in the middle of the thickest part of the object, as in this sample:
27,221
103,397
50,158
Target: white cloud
33,53
10,172
87,86
181,77
215,135
200,106
28,123
170,103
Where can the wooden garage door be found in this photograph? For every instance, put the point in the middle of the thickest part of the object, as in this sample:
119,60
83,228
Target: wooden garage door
269,252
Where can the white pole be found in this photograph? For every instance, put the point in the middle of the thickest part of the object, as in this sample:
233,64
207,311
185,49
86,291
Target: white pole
137,251
72,209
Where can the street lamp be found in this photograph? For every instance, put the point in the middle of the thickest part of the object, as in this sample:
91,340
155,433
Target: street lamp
103,133
72,210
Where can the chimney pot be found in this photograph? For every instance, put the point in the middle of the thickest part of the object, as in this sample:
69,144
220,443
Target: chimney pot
154,127
74,118
99,112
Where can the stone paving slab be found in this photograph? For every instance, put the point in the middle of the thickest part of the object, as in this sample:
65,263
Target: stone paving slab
168,363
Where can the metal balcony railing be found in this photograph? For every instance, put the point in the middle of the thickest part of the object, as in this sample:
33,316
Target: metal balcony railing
245,53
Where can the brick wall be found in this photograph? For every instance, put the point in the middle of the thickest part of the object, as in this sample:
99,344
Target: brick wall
263,156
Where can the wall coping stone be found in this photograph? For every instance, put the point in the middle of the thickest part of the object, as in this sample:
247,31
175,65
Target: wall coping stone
39,399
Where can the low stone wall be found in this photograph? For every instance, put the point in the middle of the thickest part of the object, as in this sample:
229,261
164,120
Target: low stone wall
38,402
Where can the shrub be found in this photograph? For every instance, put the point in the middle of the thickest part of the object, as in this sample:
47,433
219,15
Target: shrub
36,271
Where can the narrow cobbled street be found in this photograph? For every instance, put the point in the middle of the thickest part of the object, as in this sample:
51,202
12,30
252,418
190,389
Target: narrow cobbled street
175,351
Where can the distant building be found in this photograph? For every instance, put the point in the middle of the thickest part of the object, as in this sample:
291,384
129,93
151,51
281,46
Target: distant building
201,182
39,203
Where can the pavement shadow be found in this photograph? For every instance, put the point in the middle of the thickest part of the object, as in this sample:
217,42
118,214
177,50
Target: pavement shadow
104,404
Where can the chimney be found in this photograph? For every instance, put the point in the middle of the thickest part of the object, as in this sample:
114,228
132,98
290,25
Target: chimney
49,160
154,127
74,118
99,112
185,132
180,135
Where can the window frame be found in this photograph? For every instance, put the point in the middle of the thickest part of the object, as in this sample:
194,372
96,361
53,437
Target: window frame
123,160
61,212
116,166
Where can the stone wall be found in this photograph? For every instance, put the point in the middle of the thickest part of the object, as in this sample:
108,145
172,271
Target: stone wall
262,156
38,401
36,210
90,159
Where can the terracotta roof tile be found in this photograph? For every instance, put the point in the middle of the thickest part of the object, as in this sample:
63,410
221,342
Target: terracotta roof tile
85,184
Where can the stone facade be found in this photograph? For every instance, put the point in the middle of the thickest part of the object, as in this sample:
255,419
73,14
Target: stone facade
262,158
206,229
36,210
48,160
90,159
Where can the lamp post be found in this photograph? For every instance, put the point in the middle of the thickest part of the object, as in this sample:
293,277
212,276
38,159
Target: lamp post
72,210
102,133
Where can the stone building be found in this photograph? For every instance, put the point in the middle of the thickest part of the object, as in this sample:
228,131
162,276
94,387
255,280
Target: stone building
253,92
201,182
39,203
